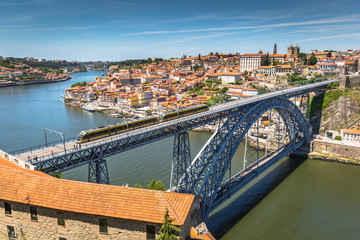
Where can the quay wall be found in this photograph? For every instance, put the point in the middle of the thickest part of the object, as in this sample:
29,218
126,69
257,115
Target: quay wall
336,149
31,82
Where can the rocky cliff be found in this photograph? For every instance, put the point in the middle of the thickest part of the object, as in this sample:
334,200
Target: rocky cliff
338,109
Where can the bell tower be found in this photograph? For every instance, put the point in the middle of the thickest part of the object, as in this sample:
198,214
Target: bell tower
275,49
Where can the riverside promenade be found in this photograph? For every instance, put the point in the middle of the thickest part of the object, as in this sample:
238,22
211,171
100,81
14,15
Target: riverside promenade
31,82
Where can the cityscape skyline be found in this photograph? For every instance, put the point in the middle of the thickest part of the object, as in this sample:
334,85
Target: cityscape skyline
118,30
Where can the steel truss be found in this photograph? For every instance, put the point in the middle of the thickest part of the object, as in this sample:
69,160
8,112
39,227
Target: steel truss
210,165
227,117
181,158
98,171
87,155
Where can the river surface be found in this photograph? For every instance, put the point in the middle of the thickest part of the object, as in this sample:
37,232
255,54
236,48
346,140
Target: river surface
299,199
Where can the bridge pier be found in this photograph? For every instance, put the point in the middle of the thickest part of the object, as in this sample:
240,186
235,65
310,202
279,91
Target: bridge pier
98,171
181,159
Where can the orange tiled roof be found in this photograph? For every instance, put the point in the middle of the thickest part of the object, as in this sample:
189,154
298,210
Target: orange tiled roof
351,131
208,236
193,234
4,162
32,187
321,53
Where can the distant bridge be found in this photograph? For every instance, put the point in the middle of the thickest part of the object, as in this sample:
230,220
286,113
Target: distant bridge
208,175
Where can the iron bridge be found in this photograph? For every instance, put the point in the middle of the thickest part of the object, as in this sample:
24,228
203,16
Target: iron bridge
208,175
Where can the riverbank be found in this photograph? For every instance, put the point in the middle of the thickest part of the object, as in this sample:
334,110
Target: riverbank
31,82
332,158
109,109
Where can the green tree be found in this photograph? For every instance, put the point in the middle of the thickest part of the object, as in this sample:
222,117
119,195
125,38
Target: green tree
58,175
59,71
266,60
168,231
137,186
224,90
81,84
5,63
156,185
263,90
276,62
338,138
303,57
312,60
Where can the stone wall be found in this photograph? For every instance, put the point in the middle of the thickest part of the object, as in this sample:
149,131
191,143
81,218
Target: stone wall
354,80
334,148
78,226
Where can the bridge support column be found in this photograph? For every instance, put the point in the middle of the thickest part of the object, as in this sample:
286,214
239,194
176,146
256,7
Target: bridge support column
98,171
181,159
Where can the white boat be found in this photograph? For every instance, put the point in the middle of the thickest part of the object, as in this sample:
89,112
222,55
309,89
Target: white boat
89,108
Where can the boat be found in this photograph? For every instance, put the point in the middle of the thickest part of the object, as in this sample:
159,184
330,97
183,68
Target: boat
89,108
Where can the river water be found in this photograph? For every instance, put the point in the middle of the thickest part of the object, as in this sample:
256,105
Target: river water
299,199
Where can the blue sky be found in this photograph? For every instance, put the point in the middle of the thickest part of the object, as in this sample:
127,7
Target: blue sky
121,29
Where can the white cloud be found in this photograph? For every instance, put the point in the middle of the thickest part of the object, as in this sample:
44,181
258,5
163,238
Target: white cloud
278,25
331,37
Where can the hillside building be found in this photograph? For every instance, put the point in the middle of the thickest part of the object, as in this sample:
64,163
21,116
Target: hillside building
36,206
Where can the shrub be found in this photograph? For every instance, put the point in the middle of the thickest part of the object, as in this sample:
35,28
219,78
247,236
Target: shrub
338,138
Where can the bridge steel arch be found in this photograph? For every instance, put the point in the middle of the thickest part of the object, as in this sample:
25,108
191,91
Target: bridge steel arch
208,169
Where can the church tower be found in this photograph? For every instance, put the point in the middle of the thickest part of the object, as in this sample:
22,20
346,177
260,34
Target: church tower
296,49
290,50
275,49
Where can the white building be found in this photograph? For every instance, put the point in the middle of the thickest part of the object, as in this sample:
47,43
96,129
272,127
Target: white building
269,70
326,67
239,92
350,136
250,92
249,62
284,69
278,57
90,96
229,77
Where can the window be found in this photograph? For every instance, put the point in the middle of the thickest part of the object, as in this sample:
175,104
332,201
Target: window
33,214
150,232
11,232
103,225
62,238
7,208
60,218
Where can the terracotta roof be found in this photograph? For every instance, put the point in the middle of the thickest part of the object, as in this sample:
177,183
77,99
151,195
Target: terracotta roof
267,67
4,162
277,55
193,234
32,187
208,236
229,74
320,53
284,66
351,131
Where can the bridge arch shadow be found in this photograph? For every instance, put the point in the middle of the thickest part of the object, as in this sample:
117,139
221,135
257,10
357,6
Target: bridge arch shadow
206,173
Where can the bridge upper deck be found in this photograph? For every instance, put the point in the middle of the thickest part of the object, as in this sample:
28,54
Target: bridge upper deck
44,153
